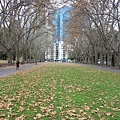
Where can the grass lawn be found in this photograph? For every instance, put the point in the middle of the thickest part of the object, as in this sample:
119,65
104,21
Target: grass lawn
60,92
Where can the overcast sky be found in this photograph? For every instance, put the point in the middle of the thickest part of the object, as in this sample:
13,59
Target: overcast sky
59,3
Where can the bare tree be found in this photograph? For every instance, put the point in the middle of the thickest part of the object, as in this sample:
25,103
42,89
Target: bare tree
19,20
99,22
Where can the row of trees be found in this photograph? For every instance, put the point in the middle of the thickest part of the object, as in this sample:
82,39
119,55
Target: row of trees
23,30
94,31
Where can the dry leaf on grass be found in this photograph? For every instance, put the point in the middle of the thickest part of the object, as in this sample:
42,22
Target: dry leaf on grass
22,117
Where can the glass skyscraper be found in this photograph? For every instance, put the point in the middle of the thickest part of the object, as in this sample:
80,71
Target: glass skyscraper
62,16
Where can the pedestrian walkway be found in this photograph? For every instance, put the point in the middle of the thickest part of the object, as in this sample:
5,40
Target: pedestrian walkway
102,68
12,69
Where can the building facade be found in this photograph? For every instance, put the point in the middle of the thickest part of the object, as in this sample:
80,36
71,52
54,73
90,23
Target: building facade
62,16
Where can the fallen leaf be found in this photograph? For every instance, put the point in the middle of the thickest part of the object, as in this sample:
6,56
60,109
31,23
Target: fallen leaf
86,107
108,113
22,117
38,116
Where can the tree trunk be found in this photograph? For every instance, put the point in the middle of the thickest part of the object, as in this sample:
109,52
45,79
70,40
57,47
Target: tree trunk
17,51
118,61
30,57
27,56
101,58
96,55
23,56
9,57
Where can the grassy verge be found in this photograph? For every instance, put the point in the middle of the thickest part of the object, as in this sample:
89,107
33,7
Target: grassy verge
60,92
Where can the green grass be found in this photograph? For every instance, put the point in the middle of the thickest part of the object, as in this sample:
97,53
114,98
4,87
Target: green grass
60,92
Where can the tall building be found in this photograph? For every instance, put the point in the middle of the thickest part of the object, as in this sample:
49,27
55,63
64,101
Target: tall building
62,16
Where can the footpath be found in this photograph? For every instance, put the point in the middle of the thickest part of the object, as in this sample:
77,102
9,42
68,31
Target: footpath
103,68
4,71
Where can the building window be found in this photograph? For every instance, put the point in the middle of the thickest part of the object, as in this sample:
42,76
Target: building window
57,54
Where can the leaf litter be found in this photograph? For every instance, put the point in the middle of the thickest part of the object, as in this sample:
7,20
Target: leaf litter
60,91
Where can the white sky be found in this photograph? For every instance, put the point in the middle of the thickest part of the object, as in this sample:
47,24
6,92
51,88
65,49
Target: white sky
60,3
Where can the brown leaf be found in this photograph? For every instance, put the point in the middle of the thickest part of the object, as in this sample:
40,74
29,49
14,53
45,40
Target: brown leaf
86,107
22,117
82,113
21,108
71,112
37,116
95,111
2,115
82,118
3,119
7,105
1,105
116,109
108,113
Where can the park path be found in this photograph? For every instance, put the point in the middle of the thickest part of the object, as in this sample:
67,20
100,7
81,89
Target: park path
12,69
103,68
